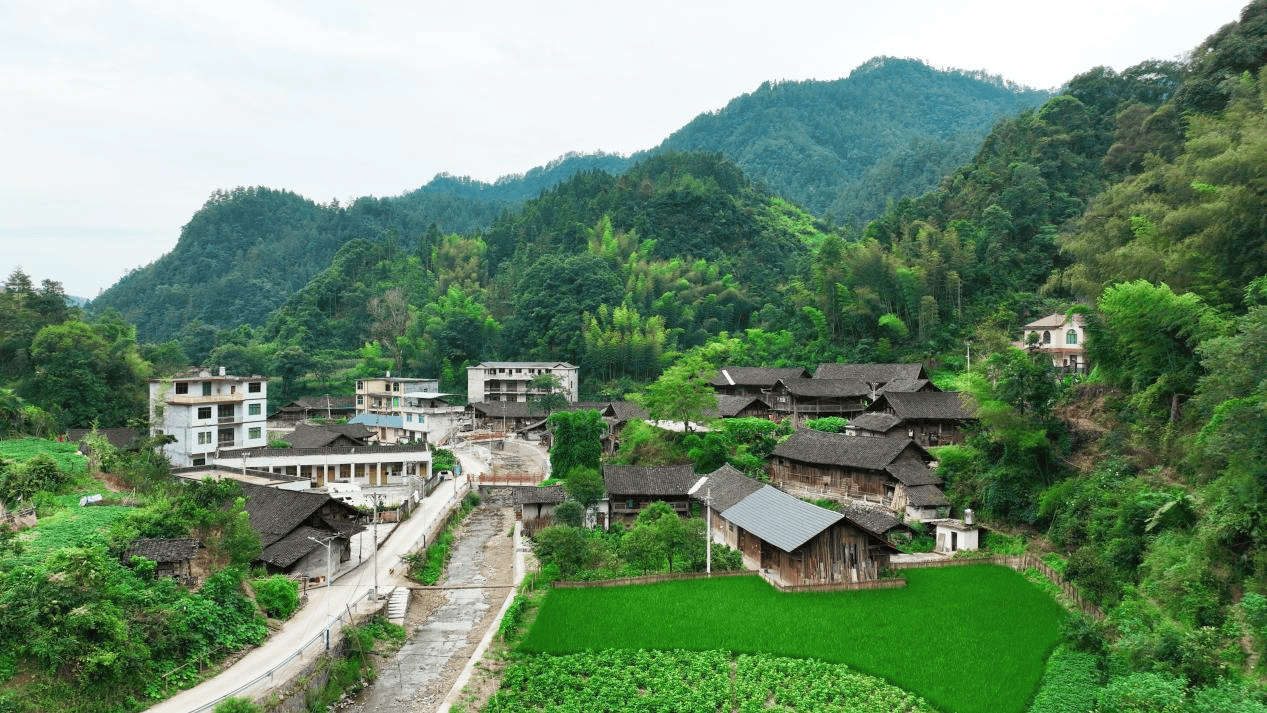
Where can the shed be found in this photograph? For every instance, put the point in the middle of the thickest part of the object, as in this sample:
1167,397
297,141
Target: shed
173,557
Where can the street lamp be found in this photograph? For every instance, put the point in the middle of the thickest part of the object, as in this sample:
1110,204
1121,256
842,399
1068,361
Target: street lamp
377,498
329,558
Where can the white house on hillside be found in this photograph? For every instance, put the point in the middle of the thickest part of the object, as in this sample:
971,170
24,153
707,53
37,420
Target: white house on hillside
1059,336
205,413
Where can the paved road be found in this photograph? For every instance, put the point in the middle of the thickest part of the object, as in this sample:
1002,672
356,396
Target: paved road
301,638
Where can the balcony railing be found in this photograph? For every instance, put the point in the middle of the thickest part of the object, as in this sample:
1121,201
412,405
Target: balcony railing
200,399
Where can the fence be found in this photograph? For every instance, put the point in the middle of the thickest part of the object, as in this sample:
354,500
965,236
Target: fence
649,579
891,583
1020,563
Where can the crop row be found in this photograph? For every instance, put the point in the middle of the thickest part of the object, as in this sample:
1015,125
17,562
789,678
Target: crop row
627,681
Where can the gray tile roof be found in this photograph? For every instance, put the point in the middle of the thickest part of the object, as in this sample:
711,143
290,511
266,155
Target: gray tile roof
291,548
780,519
871,373
531,494
875,422
730,406
935,405
827,388
754,376
821,448
319,436
912,473
176,550
508,409
320,403
927,496
906,386
726,486
649,480
120,438
275,513
876,520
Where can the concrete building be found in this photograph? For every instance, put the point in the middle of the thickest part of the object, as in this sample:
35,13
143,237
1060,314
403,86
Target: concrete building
1060,336
400,410
509,380
207,413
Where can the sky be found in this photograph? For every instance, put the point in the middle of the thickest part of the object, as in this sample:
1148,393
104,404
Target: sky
119,118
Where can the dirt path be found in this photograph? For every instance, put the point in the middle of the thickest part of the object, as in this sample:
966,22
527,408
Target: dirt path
446,625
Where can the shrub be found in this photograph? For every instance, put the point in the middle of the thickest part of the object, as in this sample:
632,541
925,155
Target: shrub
277,595
1143,693
237,705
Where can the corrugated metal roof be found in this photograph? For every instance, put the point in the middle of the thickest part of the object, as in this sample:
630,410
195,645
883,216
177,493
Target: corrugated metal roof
378,420
780,519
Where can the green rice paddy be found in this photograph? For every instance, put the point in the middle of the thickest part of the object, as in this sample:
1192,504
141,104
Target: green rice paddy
965,639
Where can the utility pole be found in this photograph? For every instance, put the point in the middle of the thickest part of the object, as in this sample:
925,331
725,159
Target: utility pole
329,558
377,498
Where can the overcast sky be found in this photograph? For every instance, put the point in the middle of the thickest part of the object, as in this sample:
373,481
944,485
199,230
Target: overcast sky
119,118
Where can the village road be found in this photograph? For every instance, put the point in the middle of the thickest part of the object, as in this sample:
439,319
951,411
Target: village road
421,673
301,638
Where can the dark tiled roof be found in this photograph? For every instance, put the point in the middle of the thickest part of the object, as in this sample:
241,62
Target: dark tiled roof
726,486
291,548
754,376
730,406
876,520
875,422
120,438
627,411
912,473
926,496
871,373
649,480
826,388
780,519
275,513
864,452
531,494
179,550
320,403
937,405
907,386
319,436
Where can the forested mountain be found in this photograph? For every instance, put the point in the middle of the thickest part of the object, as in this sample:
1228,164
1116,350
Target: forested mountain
842,149
247,250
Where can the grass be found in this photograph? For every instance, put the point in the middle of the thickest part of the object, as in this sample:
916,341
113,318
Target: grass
966,639
71,527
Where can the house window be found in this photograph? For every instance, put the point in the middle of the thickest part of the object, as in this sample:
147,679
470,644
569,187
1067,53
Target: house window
1046,337
204,437
200,461
253,409
360,400
182,388
206,388
395,402
360,386
254,387
409,417
629,504
1071,337
204,412
254,433
226,411
226,437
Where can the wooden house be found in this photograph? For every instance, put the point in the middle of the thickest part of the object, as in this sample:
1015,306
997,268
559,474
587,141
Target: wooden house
172,557
876,376
630,488
932,418
806,399
890,472
879,425
292,526
751,380
798,543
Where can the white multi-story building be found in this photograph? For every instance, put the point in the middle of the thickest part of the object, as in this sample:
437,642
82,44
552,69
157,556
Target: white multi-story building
401,410
510,380
207,413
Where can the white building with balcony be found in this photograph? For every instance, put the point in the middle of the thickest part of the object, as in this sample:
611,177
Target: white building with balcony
206,413
401,410
511,380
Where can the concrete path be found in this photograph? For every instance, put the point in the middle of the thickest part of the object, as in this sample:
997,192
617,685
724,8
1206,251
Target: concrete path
302,638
